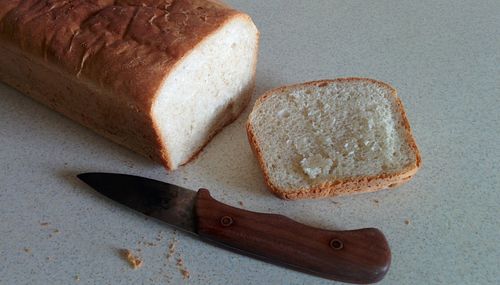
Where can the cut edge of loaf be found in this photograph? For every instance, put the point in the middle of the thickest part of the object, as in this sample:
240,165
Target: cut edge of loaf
247,96
340,187
230,113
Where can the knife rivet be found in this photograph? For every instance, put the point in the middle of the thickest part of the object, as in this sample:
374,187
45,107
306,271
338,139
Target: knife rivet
336,244
226,221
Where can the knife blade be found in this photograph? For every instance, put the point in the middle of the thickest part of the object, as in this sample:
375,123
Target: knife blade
356,256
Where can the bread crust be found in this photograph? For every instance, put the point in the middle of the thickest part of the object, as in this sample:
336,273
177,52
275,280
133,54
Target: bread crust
339,187
102,62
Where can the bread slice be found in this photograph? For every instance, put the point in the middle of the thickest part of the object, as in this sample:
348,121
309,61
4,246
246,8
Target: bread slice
160,77
332,137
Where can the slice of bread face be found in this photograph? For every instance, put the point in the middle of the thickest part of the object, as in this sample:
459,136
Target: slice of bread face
207,90
332,137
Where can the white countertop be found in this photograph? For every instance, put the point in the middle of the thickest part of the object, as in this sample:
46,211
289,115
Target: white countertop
442,56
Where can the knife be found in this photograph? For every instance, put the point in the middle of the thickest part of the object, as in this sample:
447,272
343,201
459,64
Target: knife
357,256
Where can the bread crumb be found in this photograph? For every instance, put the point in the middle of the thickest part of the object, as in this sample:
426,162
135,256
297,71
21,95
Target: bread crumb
27,250
185,274
171,248
407,222
133,260
172,245
241,203
182,268
77,277
44,224
335,202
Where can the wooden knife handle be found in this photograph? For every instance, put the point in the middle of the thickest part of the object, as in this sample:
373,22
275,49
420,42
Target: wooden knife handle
359,256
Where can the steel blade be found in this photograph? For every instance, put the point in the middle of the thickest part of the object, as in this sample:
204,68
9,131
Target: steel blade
163,201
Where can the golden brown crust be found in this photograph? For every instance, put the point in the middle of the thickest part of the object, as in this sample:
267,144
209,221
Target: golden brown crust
346,186
126,46
113,53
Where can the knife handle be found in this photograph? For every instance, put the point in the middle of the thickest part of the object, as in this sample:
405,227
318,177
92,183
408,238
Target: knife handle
358,256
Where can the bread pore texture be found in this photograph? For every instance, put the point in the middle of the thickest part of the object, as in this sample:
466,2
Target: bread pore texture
332,137
207,90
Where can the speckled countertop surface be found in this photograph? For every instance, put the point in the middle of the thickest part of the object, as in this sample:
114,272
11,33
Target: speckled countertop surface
443,226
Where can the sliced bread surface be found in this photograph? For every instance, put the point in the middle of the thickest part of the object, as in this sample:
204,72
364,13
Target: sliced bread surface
332,137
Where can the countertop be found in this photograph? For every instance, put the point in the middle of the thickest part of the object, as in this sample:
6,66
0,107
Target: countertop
443,226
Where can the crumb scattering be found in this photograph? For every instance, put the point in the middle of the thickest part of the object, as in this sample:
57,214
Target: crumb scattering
182,268
44,224
159,236
132,259
27,250
171,246
241,203
407,222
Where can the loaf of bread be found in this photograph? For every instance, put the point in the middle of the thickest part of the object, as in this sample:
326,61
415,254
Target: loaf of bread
332,137
160,77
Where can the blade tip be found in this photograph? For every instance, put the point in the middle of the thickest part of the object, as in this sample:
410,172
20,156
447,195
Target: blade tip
84,176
